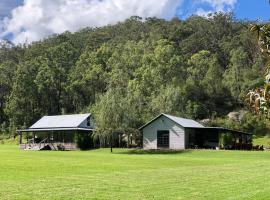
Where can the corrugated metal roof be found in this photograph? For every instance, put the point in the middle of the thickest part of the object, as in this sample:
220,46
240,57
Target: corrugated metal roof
60,121
186,123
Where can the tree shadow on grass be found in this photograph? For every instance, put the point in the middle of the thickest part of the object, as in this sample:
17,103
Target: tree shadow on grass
157,151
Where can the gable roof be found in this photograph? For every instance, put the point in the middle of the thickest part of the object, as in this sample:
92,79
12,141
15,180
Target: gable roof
60,121
186,123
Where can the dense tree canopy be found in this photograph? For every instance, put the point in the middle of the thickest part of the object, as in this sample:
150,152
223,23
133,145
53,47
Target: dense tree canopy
131,71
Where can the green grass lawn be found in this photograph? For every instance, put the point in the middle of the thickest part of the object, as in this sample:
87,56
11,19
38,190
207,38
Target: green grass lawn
99,174
263,140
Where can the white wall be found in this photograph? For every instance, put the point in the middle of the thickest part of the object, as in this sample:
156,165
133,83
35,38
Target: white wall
177,134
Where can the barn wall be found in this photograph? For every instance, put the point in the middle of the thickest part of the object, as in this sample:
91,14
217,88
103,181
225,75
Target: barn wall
177,134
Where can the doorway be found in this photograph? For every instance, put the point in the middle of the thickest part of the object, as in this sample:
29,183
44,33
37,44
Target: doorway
163,140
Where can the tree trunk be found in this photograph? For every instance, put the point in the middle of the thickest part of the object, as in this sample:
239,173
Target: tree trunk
128,141
111,143
119,140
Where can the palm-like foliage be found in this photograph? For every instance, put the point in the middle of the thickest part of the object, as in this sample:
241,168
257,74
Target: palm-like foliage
259,99
262,33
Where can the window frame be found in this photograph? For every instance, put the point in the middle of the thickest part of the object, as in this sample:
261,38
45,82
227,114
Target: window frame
165,140
88,123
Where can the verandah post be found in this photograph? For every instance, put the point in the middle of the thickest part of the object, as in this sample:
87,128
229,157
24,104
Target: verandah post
20,135
27,137
34,136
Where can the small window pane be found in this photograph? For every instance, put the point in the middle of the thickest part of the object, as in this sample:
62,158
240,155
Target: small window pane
88,121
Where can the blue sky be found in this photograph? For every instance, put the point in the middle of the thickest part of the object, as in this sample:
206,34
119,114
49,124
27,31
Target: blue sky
253,9
242,9
35,19
7,5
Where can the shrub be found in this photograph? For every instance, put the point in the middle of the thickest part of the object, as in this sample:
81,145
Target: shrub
84,141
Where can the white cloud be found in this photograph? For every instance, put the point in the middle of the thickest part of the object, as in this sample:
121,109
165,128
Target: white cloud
216,6
202,12
221,5
36,19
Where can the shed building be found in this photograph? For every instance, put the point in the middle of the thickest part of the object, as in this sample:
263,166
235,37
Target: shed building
57,132
171,132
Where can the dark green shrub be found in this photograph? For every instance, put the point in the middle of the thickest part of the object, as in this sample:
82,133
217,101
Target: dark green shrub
84,141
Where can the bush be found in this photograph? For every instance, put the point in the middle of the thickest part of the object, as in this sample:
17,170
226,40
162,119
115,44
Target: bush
84,141
258,125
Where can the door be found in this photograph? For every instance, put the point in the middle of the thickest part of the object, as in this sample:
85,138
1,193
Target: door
163,139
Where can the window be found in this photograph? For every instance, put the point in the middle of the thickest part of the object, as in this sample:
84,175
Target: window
162,139
88,121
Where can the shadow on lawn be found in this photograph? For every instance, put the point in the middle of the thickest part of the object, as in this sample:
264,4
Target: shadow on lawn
142,152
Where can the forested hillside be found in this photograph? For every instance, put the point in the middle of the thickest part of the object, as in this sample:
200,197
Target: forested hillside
198,68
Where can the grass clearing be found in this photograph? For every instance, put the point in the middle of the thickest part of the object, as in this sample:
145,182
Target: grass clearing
262,140
124,174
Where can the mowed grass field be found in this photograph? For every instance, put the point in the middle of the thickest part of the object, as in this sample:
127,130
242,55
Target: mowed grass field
125,174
